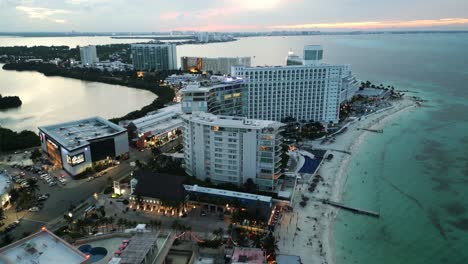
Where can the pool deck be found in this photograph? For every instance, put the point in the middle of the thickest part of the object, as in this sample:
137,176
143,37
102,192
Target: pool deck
111,244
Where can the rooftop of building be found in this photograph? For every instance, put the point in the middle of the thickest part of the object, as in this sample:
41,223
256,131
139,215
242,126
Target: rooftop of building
212,83
248,256
239,195
371,92
138,248
162,120
41,247
194,57
5,183
159,185
154,44
231,121
288,259
76,134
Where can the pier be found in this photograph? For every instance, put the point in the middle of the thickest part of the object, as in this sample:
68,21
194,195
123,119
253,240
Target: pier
352,209
406,91
342,151
371,130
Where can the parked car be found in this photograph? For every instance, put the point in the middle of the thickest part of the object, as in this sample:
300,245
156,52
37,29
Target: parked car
34,209
52,183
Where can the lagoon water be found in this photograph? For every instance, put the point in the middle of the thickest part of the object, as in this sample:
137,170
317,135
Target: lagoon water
416,172
49,100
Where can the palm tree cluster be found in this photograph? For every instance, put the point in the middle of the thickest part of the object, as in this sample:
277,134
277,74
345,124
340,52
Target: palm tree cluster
24,196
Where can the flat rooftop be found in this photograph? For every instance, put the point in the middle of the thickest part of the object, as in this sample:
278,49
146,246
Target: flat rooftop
248,256
240,195
138,248
5,183
210,84
77,134
163,120
42,247
231,121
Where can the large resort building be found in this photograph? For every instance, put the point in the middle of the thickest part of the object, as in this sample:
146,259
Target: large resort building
308,91
75,146
227,149
220,96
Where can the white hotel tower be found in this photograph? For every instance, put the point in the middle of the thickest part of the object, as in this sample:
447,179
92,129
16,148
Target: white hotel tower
311,91
228,149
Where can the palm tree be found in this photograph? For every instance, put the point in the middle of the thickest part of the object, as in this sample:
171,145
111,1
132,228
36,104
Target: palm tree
111,221
218,232
257,241
270,244
2,213
33,187
120,223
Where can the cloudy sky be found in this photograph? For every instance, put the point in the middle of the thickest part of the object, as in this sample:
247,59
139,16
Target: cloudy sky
230,15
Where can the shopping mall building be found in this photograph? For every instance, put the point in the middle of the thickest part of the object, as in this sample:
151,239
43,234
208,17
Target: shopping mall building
76,145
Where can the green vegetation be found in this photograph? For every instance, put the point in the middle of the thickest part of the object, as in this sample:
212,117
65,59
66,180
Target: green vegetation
35,154
11,140
9,102
64,53
39,52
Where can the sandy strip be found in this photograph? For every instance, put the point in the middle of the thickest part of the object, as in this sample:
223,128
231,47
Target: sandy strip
308,232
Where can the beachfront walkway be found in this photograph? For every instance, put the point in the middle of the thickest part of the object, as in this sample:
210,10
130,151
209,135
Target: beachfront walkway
307,231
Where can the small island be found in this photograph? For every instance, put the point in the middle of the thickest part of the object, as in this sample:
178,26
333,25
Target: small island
7,102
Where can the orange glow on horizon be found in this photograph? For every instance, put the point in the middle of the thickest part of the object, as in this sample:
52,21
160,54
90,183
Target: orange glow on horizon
378,24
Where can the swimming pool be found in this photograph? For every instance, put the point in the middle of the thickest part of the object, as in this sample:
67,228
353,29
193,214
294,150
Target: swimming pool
96,253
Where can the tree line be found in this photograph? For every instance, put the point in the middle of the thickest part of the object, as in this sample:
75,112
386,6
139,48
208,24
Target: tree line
11,140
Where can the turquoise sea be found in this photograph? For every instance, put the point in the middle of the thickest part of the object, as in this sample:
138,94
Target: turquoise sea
416,173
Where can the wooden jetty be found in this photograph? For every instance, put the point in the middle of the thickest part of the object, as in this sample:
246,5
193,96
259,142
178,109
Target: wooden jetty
372,130
352,209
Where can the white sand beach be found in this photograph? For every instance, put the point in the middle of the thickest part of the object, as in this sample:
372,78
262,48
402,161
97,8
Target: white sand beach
308,231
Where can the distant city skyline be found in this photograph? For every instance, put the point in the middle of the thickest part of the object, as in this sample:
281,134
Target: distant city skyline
230,15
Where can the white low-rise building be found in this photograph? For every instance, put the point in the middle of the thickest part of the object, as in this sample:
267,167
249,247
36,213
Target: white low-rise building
227,149
162,125
5,185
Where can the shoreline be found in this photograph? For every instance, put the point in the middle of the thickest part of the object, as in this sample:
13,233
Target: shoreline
315,244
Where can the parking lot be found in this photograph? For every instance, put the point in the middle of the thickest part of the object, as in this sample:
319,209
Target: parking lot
61,198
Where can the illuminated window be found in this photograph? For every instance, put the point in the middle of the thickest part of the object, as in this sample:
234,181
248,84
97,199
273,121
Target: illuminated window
76,159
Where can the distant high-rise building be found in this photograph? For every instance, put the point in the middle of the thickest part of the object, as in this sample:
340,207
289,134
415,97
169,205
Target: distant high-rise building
293,59
313,54
88,55
215,65
154,56
227,149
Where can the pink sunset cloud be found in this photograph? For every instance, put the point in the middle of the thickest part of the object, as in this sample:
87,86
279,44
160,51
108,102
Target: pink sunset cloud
377,24
218,27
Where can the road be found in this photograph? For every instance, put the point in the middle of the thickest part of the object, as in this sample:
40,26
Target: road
62,197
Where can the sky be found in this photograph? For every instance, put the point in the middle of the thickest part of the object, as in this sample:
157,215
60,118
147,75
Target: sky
230,15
